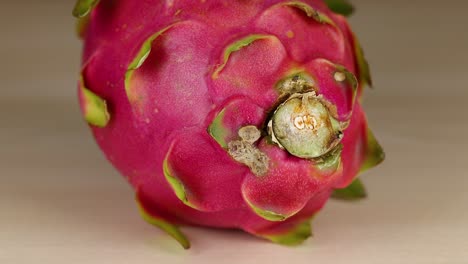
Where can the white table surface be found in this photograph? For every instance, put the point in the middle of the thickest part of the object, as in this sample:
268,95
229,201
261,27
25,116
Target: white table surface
61,202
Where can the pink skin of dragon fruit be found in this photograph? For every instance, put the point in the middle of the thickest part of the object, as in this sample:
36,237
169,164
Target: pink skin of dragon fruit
190,101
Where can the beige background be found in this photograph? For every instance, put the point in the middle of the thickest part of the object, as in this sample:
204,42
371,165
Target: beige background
61,202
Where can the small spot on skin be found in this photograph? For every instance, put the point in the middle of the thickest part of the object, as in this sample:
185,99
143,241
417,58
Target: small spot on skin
183,59
156,110
109,84
147,120
290,34
340,76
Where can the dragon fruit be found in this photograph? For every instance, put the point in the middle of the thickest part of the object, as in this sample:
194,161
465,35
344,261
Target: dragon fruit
228,113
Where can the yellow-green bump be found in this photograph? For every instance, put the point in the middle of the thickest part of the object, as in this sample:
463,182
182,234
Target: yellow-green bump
175,183
83,7
266,214
363,65
217,131
167,227
82,26
332,160
293,237
350,78
236,46
342,7
310,12
374,152
94,108
354,191
142,55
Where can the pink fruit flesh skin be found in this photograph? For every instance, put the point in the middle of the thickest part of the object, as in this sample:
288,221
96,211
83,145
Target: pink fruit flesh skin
163,115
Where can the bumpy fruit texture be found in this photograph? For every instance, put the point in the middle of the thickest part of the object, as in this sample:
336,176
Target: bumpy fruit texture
229,114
